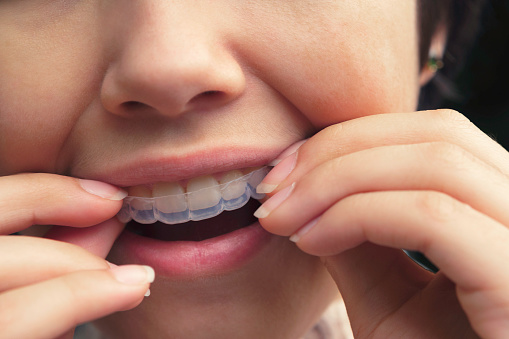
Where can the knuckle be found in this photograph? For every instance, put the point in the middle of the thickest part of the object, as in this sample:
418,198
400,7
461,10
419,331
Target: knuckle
70,293
40,184
452,117
447,155
31,182
332,136
332,132
455,123
67,289
438,208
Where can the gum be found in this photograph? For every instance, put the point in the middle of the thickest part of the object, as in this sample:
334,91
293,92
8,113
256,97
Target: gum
174,209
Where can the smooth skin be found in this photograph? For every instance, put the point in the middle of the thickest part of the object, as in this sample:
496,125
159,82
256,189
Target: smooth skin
40,288
443,194
89,85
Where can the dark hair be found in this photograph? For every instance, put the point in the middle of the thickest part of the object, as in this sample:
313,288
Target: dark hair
461,18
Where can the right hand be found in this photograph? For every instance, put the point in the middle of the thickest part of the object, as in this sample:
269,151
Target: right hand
49,286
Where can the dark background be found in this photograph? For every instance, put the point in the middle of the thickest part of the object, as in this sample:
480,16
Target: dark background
483,85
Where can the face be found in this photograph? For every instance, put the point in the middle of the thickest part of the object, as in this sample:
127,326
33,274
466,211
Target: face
140,92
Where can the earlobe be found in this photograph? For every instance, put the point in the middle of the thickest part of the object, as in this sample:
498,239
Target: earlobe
435,56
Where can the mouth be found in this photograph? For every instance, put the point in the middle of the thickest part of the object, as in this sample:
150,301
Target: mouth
196,227
196,231
192,210
202,198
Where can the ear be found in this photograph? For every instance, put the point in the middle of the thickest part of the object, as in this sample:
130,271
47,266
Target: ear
437,49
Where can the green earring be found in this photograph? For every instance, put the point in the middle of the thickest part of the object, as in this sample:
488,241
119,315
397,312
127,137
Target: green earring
435,63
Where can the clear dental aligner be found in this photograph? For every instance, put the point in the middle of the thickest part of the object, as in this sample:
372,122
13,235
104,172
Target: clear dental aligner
200,204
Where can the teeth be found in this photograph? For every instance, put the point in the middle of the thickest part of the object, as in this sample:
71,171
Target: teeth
167,188
209,194
171,199
140,191
170,203
141,204
205,198
233,187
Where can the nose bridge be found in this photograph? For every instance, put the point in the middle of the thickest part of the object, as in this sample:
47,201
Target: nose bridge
169,58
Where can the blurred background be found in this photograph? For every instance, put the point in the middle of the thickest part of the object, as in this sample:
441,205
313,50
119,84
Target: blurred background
483,85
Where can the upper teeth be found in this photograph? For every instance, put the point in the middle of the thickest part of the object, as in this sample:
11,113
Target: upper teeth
203,197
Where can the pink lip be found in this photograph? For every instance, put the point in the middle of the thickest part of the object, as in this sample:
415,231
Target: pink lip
148,168
183,260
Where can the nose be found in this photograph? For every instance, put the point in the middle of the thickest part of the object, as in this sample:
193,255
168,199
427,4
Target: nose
167,60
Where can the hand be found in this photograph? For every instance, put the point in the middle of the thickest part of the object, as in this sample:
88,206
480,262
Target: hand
47,287
358,192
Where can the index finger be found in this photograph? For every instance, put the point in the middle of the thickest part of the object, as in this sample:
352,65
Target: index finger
384,130
43,199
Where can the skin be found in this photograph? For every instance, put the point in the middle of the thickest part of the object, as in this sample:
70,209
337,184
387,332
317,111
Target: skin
100,82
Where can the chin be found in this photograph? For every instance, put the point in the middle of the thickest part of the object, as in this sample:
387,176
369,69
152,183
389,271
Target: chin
279,293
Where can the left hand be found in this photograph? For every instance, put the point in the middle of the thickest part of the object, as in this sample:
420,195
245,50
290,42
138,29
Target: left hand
425,181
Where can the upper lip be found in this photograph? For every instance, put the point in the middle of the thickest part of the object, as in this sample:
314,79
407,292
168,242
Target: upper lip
152,168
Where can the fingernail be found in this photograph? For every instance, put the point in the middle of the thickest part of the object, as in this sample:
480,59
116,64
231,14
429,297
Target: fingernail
147,294
133,274
264,210
102,189
291,149
303,230
278,174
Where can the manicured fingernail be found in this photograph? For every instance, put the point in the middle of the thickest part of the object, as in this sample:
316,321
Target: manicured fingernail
133,274
278,174
303,230
291,149
264,210
102,189
147,294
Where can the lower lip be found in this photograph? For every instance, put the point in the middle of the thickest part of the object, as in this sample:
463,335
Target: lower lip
189,259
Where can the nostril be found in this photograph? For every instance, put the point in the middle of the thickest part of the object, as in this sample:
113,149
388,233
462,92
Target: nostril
208,96
209,93
133,106
206,99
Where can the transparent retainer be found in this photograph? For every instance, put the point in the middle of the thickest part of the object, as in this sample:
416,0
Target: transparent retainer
177,209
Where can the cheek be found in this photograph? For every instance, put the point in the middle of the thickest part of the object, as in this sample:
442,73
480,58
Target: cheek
364,80
46,83
37,113
361,59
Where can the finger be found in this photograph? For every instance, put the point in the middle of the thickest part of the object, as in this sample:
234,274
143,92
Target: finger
68,335
50,308
28,199
392,129
96,239
469,247
456,237
383,283
27,260
441,167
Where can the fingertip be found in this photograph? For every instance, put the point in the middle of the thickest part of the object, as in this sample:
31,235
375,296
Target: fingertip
102,189
75,298
133,274
278,174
